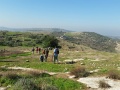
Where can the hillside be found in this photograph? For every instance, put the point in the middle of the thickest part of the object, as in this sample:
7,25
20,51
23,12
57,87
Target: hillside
88,39
15,39
34,29
92,40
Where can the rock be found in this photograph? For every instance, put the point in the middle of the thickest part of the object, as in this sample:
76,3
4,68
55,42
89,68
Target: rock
82,63
27,60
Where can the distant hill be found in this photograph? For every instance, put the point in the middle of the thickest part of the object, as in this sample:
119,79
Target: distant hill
92,40
89,39
34,29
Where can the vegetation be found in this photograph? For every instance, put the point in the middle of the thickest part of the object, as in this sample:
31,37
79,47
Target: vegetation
114,74
25,84
92,40
99,62
103,84
79,72
26,39
21,80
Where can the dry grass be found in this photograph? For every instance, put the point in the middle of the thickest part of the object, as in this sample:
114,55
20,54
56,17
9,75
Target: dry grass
79,72
103,84
61,75
113,74
10,74
37,73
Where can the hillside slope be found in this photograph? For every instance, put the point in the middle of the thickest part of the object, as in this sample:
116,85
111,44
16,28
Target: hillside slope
92,40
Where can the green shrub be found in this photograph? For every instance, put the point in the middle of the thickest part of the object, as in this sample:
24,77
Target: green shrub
10,75
50,87
79,72
25,84
6,81
27,39
60,84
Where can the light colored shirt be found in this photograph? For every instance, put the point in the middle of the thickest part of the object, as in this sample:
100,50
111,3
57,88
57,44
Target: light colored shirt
55,54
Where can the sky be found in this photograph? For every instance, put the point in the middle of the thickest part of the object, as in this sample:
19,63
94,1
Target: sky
100,16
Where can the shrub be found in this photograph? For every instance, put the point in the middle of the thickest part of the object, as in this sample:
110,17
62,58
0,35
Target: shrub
103,84
79,72
50,87
25,84
49,41
37,73
10,75
113,74
52,83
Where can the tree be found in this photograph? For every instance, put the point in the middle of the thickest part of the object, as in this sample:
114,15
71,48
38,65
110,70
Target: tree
49,41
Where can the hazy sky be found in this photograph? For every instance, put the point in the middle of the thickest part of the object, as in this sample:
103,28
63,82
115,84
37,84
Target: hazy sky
101,16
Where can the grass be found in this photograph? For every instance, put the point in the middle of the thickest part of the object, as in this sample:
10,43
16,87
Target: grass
62,83
46,66
15,55
114,74
111,61
79,72
25,84
23,80
103,84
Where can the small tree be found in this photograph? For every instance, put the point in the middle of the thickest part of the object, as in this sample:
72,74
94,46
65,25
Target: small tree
49,41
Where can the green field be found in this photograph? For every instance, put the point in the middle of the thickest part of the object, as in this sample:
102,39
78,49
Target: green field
28,72
104,61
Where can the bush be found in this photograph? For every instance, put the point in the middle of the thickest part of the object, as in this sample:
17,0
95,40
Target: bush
52,83
49,41
113,74
103,84
79,72
10,75
50,87
37,74
25,84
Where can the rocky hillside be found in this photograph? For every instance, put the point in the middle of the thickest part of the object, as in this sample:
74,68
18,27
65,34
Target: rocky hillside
92,40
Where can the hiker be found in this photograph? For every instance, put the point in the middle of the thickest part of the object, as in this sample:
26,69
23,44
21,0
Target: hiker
39,49
43,51
33,50
46,54
36,49
55,54
41,57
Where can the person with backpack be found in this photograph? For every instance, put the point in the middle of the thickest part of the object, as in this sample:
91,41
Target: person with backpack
41,57
55,55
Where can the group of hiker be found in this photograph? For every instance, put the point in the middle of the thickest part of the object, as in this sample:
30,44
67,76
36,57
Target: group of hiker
38,50
44,52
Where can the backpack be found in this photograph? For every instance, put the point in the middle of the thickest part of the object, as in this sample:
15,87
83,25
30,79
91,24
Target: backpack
41,58
57,51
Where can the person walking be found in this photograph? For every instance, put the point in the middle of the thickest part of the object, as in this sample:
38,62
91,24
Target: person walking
46,54
39,49
36,49
33,49
55,55
41,57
